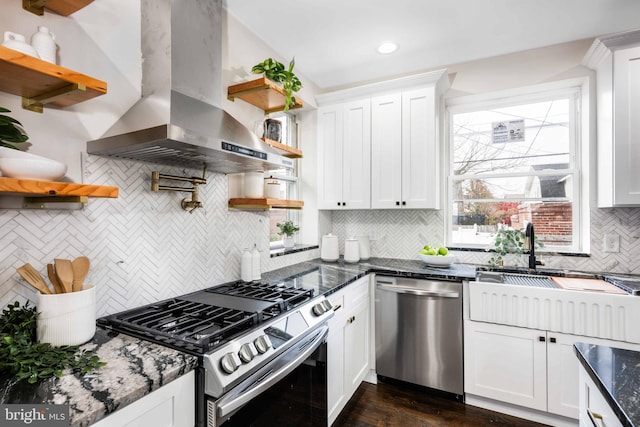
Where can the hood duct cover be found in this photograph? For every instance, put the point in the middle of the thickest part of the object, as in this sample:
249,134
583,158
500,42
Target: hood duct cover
178,121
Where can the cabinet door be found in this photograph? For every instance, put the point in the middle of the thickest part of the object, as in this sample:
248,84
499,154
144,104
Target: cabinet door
626,81
356,345
386,152
420,154
356,155
593,404
336,393
330,134
506,363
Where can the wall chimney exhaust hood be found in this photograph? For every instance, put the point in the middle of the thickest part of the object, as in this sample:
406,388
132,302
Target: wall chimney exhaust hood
178,121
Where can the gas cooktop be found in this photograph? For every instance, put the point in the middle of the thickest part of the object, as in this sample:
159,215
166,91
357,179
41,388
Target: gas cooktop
201,321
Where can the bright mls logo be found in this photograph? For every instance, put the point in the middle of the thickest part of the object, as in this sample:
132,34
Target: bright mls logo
34,415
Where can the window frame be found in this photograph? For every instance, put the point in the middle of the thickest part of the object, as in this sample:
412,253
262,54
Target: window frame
579,158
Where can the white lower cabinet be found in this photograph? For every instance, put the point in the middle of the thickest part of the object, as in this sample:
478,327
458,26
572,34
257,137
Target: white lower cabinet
594,409
348,345
172,405
533,368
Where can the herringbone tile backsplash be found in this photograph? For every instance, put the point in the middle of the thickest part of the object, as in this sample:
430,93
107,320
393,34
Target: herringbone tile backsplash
143,247
401,233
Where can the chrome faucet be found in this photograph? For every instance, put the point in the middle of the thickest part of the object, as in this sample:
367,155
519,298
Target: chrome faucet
530,243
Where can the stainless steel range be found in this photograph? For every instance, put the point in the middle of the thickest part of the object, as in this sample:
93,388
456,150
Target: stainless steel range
250,337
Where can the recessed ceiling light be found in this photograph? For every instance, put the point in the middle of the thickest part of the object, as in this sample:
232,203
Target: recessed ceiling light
387,47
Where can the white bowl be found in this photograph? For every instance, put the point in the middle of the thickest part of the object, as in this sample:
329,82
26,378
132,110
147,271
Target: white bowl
18,164
438,260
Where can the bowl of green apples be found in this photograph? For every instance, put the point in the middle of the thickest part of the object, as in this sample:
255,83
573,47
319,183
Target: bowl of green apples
436,256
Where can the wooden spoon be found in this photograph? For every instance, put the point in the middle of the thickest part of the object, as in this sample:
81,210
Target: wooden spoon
59,288
64,271
34,278
80,267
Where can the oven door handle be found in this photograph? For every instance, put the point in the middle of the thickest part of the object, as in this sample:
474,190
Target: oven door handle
226,408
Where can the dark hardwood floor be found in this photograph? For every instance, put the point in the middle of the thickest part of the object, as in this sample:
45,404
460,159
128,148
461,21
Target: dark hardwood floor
391,404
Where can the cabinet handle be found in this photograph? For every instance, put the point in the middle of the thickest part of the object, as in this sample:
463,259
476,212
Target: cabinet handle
337,307
338,203
553,340
344,203
542,339
351,319
404,203
397,203
596,419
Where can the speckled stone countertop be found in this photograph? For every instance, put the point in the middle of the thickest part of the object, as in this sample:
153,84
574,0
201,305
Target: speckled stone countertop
134,368
616,372
328,277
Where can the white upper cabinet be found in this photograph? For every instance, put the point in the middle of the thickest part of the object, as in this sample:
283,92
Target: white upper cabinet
344,141
378,144
616,60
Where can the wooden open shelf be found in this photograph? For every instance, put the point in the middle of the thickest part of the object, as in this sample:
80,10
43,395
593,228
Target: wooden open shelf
33,188
40,82
265,204
61,7
286,151
263,93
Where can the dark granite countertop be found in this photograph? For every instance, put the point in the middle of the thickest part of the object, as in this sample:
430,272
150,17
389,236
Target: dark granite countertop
616,372
328,277
134,368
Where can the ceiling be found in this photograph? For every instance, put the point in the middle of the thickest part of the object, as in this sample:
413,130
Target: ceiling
334,41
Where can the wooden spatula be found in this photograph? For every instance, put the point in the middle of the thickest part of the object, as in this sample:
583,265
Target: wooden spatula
80,267
64,271
59,288
34,278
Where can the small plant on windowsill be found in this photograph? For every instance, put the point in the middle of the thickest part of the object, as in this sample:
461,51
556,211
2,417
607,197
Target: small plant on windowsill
509,241
287,230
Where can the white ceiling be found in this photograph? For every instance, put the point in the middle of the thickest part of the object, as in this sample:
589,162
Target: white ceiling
334,41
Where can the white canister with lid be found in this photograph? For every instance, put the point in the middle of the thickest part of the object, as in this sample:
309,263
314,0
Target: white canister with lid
364,245
351,251
254,185
272,188
246,266
329,250
44,42
255,263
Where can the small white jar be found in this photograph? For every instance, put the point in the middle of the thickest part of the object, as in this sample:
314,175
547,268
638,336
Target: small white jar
44,42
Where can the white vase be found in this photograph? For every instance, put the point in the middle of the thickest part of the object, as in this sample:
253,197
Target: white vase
288,242
44,42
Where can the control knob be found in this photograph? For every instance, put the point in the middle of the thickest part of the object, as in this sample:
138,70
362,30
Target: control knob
229,363
321,308
247,352
262,343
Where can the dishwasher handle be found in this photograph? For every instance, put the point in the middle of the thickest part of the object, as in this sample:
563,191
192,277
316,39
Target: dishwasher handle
386,286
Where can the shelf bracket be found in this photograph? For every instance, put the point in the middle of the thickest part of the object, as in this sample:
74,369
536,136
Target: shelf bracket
188,205
34,6
36,103
39,202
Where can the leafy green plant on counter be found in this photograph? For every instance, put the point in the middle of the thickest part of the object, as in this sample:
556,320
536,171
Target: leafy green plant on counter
509,241
11,130
275,71
25,358
287,228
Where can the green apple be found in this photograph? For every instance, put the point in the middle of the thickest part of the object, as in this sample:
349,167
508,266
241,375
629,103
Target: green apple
423,251
426,247
432,251
443,251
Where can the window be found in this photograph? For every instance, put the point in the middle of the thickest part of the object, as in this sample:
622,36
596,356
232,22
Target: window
287,178
515,159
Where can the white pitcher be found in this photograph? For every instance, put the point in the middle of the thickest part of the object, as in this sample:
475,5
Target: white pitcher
17,42
44,42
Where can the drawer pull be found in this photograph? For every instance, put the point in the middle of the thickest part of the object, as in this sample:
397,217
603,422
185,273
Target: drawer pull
337,307
596,419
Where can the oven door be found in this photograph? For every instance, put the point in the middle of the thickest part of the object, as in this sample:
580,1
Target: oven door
290,390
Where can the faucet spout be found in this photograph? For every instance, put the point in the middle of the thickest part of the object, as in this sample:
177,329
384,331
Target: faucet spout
530,243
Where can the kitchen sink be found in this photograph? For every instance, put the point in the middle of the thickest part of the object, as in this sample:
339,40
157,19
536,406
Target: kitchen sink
534,280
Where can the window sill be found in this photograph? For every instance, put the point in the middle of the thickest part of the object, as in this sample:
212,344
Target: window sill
538,251
280,251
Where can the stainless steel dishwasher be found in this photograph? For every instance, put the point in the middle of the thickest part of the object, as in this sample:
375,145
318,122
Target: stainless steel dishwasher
419,332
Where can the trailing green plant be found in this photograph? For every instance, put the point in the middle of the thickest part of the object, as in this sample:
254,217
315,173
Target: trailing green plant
510,241
287,228
275,71
25,358
11,130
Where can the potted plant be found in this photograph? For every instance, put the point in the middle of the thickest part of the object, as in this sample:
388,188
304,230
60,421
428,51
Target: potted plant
509,241
275,71
287,230
11,130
